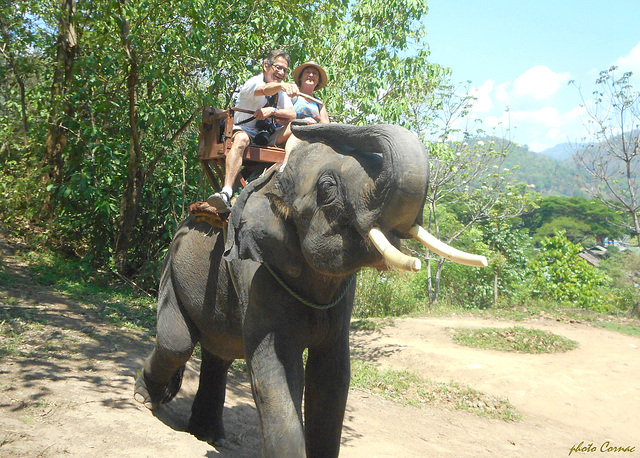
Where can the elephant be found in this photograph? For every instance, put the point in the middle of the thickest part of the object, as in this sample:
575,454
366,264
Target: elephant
280,279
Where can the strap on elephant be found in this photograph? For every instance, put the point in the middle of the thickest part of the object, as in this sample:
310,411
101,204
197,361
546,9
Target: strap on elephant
305,301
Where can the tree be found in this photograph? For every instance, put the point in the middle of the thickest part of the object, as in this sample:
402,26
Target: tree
509,245
611,160
60,108
562,275
119,89
575,230
579,217
466,172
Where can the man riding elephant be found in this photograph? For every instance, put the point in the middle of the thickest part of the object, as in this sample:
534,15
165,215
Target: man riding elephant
267,95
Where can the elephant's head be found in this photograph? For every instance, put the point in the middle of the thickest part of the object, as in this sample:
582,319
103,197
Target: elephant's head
348,194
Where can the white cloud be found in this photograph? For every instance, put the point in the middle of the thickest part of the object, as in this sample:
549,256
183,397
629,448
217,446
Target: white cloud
630,62
502,93
495,121
539,82
482,94
537,146
524,110
555,134
578,112
548,116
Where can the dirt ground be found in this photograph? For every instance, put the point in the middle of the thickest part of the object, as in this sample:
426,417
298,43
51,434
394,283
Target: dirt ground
73,395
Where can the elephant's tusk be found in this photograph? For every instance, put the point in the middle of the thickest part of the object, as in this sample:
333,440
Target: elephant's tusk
446,251
391,253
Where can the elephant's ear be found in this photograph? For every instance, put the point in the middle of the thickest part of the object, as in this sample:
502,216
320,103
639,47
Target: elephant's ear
258,231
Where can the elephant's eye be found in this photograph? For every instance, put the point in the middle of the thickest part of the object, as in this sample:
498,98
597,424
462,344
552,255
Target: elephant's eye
327,189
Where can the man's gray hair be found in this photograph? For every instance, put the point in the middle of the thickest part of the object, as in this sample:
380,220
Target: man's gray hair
273,55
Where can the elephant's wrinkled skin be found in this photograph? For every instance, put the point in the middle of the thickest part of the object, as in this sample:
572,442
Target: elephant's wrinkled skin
310,225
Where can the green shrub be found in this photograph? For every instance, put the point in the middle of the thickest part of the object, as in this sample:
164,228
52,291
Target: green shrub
623,271
560,274
391,293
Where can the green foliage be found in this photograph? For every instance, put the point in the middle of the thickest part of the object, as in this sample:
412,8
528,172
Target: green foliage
391,293
379,65
583,220
516,339
141,67
575,230
81,282
623,270
563,276
508,248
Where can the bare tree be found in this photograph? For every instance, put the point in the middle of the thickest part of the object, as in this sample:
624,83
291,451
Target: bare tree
610,160
467,171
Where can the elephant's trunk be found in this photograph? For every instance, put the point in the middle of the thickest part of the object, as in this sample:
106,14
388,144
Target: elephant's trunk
401,188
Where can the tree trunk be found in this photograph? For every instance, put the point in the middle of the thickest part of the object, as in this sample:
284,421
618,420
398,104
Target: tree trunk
436,284
636,225
130,200
495,288
56,141
430,283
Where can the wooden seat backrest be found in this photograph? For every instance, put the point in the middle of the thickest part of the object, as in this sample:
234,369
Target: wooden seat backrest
215,142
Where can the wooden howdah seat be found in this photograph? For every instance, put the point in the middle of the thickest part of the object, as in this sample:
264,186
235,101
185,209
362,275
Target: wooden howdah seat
215,141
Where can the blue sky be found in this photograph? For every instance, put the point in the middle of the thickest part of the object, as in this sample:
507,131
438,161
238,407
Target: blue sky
522,54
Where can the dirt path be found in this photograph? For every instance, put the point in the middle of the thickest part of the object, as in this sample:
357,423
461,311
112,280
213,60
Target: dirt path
72,394
590,394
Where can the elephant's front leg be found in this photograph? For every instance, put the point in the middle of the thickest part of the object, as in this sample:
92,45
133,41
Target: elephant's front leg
276,370
277,382
327,387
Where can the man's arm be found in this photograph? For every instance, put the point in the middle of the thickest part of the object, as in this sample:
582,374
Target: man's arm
274,87
284,113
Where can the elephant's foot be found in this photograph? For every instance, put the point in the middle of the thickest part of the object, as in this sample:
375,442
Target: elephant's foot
153,394
141,393
205,431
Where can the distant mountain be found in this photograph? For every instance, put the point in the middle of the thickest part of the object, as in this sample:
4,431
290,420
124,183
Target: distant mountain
561,152
543,172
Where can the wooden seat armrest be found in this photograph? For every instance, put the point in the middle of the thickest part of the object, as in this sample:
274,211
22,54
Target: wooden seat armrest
212,115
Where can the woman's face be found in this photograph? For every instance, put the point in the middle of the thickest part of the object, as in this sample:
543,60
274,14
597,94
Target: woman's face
310,76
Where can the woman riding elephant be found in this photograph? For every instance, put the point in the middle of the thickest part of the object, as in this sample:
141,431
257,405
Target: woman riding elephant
310,77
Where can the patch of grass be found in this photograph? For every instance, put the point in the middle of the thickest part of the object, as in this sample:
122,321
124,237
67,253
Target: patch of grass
6,279
410,389
631,329
369,324
15,325
7,300
98,290
125,309
516,339
238,370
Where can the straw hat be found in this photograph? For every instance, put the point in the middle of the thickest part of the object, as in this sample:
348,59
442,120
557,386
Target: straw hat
323,75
